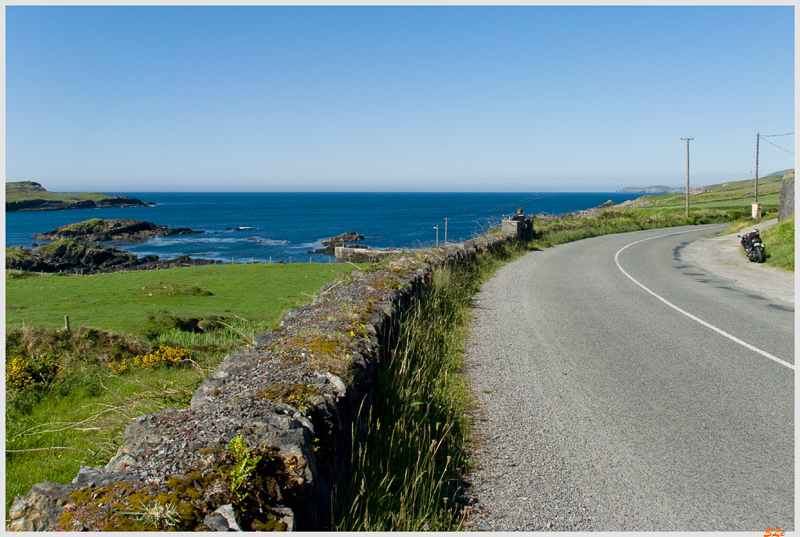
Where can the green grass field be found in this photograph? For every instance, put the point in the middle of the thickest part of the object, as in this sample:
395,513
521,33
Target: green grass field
123,301
65,406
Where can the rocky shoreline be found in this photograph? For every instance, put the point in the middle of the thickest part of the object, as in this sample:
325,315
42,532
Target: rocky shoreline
71,256
75,250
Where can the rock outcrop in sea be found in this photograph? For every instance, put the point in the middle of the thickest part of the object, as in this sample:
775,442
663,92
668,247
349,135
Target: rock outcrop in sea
338,240
99,230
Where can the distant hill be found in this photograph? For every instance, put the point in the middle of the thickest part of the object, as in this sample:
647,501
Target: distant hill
661,189
774,174
658,189
32,196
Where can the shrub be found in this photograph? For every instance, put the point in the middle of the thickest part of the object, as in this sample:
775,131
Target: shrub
22,372
19,373
81,345
163,356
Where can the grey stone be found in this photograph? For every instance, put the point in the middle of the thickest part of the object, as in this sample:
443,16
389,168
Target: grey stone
230,517
40,509
216,522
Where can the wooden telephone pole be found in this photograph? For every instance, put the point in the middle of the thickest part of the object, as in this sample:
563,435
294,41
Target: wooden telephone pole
758,135
687,174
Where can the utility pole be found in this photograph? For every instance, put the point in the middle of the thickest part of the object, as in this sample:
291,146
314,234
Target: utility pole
436,227
687,174
445,231
758,135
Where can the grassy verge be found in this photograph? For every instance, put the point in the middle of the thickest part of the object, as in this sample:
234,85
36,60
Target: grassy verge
139,342
780,245
408,468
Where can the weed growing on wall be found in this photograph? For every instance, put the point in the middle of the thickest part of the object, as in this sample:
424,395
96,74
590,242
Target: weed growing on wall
245,463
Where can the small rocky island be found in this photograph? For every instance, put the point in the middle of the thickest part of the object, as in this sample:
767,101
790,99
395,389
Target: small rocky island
99,230
32,196
338,240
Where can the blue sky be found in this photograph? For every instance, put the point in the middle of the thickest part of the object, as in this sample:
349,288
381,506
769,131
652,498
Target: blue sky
518,99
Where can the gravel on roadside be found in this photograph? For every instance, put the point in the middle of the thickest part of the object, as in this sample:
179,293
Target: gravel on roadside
723,256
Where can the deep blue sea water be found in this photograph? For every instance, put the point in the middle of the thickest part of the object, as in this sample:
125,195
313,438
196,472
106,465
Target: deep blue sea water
287,225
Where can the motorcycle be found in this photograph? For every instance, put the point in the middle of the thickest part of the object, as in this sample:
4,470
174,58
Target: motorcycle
753,246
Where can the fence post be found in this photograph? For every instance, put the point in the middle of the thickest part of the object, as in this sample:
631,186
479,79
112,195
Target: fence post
66,322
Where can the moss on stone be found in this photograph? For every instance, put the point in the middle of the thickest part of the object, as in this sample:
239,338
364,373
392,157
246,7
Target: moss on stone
272,524
291,393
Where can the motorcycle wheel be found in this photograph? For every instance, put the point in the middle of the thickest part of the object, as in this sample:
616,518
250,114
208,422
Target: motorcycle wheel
759,257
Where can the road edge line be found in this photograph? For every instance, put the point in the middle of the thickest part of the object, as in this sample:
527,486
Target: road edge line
686,313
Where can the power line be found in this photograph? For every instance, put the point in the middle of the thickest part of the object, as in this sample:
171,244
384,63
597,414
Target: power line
740,126
779,147
707,133
516,203
773,135
653,151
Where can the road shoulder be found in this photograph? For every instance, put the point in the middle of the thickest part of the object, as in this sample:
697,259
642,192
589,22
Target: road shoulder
724,257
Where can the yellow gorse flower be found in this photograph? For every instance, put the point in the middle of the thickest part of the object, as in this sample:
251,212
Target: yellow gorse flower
19,373
163,356
119,368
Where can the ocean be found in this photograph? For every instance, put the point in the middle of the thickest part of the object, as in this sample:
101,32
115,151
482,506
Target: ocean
263,227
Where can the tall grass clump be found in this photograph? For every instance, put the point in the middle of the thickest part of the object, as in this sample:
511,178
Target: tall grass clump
406,471
210,332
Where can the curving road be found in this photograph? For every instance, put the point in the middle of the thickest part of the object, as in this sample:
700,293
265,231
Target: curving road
621,387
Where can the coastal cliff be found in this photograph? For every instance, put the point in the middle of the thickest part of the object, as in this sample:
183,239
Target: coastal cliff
31,196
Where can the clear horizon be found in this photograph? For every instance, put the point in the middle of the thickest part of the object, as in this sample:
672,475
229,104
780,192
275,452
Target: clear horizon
396,98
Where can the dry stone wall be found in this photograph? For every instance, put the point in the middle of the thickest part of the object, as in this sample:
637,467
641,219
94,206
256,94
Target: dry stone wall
297,397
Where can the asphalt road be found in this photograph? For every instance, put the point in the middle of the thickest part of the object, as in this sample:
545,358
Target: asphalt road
621,388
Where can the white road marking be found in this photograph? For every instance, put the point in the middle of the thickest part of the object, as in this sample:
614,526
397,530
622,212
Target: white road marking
701,321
